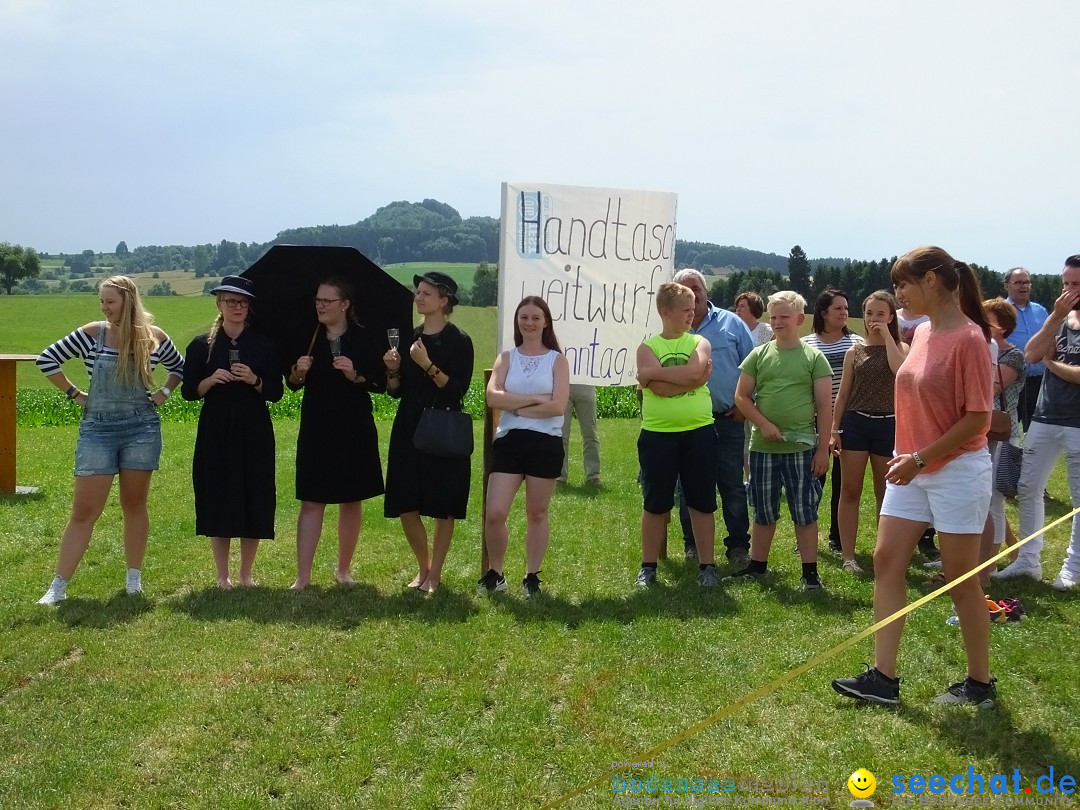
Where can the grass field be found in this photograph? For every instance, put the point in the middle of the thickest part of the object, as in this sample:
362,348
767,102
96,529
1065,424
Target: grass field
373,697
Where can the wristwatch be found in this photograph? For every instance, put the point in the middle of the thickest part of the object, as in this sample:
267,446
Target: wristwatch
166,391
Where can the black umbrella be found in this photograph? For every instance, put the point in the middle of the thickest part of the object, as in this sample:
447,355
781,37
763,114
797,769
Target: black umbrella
287,277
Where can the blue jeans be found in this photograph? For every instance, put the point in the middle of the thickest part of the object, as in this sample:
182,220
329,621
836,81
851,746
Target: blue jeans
729,485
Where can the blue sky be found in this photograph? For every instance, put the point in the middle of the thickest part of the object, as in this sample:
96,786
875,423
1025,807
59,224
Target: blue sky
852,129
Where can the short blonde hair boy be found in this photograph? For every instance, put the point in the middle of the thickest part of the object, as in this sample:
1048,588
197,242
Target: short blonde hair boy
789,297
671,295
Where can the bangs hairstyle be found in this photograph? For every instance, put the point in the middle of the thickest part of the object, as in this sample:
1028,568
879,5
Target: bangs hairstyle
822,304
1004,313
547,337
890,299
135,340
345,290
753,303
671,294
790,298
953,275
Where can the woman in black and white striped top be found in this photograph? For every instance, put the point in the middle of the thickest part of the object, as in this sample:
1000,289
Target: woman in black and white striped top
120,431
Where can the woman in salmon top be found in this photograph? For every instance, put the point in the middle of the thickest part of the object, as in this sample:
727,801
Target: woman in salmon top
940,474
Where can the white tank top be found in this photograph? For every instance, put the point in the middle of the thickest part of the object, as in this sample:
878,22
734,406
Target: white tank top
530,375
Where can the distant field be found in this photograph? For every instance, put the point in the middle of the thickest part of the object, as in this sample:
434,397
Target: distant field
461,272
32,322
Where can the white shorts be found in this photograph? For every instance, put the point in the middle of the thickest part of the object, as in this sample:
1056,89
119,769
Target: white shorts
954,500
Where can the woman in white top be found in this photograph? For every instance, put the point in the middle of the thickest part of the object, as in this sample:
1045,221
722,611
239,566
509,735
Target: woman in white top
530,384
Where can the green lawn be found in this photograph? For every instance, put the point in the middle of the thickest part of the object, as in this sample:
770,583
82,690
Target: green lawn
374,697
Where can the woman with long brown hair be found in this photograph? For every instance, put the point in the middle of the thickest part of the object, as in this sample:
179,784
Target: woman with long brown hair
940,474
337,447
120,431
530,384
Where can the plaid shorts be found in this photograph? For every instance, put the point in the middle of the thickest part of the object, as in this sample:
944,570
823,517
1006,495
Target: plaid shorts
792,471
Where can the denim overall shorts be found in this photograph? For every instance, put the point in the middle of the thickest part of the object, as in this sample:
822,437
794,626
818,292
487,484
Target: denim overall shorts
120,428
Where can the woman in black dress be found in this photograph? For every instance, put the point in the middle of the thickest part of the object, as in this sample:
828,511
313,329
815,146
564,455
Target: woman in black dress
337,449
437,372
235,370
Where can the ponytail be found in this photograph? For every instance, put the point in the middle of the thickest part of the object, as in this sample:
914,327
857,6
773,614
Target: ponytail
970,297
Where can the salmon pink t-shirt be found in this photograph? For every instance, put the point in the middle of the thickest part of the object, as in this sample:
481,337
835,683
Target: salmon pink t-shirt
946,375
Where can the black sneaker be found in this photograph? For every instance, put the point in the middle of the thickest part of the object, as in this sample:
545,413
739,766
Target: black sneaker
968,691
834,545
492,581
812,583
871,687
745,575
531,584
646,577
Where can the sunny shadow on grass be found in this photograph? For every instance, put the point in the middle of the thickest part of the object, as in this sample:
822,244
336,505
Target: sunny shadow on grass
376,697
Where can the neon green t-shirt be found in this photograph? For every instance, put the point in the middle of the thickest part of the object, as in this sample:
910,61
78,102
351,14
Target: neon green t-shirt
784,393
687,411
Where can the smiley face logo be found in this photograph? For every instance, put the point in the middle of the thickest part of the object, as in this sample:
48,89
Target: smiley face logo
862,784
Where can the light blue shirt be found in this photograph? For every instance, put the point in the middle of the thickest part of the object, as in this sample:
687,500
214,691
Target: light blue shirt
1029,320
731,342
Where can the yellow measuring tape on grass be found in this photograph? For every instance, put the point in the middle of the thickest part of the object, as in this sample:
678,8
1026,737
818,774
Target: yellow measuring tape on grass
791,675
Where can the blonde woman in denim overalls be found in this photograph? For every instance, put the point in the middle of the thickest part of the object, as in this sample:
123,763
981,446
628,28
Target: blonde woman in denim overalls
120,432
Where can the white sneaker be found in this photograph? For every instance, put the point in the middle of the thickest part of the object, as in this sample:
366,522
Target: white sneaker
1066,581
134,581
57,593
852,566
934,564
1020,568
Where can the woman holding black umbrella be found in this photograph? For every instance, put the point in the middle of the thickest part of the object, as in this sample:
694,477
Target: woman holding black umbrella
235,370
436,373
337,449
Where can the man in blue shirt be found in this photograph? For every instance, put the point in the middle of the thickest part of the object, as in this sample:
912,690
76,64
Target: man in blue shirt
1030,317
731,343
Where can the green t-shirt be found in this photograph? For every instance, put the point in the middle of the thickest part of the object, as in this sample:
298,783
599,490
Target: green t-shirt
687,411
784,393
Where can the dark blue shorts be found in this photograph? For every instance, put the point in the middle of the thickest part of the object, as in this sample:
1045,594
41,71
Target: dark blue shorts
868,434
689,455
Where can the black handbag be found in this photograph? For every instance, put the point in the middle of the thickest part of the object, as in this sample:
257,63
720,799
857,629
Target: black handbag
443,432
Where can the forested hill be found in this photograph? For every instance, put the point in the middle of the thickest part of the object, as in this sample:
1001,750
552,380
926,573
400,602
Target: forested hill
435,232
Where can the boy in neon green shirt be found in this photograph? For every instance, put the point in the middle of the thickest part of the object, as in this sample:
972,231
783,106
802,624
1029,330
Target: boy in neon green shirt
677,439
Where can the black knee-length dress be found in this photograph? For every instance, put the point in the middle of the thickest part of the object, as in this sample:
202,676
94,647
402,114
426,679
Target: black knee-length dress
434,486
337,448
232,470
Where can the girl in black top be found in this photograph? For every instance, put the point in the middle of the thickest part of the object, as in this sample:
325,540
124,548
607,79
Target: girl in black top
437,372
337,448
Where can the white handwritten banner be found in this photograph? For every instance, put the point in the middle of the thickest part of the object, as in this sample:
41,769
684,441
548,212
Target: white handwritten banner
597,256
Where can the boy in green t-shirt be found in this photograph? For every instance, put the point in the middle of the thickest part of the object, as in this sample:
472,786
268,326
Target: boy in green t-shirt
678,440
785,391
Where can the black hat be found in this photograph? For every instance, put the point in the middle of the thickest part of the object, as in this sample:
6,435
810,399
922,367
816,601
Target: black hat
437,279
235,284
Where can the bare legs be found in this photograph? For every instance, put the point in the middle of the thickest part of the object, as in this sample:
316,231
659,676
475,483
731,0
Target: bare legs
853,469
897,539
430,566
249,547
91,493
309,528
502,487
